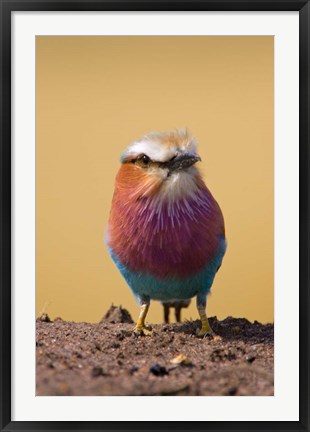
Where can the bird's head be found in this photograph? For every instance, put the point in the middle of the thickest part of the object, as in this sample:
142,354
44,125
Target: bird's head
160,165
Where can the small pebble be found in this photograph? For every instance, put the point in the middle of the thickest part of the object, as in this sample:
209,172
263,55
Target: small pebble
97,371
181,360
232,391
158,370
115,345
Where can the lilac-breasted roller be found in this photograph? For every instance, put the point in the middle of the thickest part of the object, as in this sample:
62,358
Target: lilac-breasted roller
166,231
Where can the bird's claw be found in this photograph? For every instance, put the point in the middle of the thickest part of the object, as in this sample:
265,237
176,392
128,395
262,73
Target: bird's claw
201,333
142,331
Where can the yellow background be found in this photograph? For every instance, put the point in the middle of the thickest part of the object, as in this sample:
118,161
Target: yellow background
94,96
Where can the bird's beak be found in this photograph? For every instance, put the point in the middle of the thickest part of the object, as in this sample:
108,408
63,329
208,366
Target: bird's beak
181,161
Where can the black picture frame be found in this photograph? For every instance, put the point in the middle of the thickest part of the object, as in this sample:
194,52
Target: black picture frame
9,6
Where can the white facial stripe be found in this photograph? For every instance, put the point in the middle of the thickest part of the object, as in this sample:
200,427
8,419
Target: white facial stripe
153,146
153,150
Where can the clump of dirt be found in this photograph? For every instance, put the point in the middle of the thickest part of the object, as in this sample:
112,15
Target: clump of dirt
44,317
107,359
117,314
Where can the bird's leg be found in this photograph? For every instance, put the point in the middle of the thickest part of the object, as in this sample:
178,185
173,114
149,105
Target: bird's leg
178,313
141,328
166,312
205,326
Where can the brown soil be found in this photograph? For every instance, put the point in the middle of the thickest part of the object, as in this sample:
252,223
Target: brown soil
107,359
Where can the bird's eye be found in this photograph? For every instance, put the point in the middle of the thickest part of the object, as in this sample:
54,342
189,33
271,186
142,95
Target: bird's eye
145,159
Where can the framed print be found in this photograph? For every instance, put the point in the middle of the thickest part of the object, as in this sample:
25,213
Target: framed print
151,152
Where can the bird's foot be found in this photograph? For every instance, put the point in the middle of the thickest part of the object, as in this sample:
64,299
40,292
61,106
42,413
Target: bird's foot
201,333
142,330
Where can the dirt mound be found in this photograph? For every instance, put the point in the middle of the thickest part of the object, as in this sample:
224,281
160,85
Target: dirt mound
107,359
117,314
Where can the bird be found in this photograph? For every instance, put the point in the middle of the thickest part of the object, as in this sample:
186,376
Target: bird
177,305
165,231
